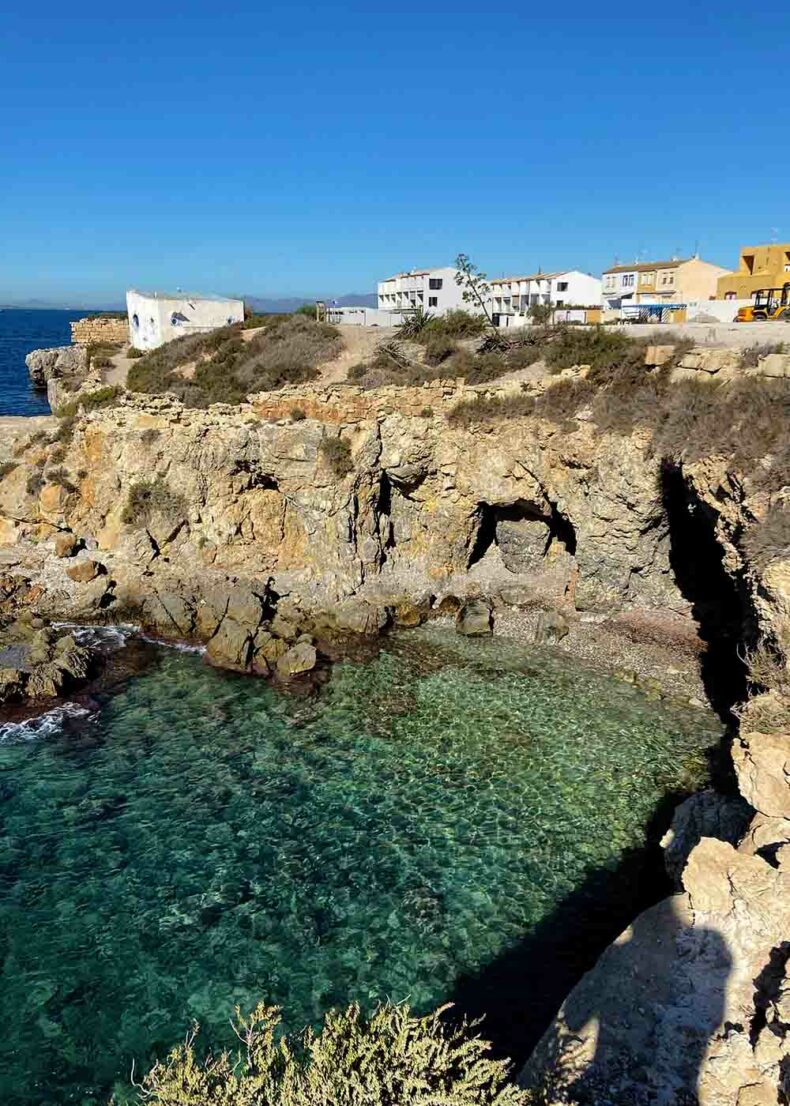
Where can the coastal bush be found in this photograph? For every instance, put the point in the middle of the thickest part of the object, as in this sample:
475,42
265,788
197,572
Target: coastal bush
61,477
438,348
769,539
388,1059
90,401
220,367
65,430
455,324
750,357
414,324
35,482
149,498
297,414
133,352
337,455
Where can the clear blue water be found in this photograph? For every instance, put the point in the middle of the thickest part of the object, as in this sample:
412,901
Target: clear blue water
206,840
20,332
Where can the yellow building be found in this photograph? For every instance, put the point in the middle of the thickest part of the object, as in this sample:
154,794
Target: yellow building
758,267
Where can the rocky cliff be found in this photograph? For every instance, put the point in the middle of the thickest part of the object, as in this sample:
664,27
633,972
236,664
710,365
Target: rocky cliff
258,529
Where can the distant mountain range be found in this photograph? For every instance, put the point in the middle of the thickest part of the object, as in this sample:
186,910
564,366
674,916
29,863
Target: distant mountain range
261,304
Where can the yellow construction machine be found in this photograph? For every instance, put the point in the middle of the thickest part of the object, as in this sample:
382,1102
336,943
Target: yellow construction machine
768,304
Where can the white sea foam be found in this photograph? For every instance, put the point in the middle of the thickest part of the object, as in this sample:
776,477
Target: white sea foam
42,725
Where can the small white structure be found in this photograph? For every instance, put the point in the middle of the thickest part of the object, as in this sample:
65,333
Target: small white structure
513,296
159,317
362,316
433,290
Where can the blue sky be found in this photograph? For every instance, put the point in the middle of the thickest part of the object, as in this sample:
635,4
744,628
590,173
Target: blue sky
286,149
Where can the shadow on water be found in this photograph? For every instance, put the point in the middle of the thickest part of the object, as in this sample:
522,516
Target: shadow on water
519,993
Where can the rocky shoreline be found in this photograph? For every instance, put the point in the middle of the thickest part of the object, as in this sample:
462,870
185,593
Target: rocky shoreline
272,538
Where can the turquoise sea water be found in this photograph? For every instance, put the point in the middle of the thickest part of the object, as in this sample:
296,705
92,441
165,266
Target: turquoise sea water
206,841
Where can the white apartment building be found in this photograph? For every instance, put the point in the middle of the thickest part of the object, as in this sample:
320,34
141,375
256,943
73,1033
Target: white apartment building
433,290
159,317
513,296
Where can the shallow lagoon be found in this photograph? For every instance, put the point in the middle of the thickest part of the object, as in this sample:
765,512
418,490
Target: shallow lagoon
206,840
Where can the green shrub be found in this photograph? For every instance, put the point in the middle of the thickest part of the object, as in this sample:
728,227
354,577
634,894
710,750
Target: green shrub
133,352
415,323
65,430
227,369
91,401
438,348
336,453
468,412
147,499
58,454
306,309
61,477
297,414
456,324
391,1058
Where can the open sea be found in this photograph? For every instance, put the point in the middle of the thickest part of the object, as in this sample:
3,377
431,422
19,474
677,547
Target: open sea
20,332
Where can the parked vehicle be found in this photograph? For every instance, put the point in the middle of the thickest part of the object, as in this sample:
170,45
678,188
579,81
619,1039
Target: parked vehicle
768,304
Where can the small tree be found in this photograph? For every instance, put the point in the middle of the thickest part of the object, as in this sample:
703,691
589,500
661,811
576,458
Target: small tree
474,283
541,314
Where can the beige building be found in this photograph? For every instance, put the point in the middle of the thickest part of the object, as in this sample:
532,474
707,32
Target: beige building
758,267
660,283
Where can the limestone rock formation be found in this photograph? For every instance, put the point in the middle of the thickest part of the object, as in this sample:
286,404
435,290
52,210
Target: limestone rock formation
58,371
38,662
474,619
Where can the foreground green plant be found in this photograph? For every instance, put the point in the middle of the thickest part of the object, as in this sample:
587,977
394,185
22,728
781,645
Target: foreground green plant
389,1059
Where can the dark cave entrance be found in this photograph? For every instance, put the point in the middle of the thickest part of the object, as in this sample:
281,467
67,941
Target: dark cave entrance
719,603
558,527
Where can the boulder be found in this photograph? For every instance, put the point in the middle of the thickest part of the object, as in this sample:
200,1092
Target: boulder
552,626
762,765
475,618
714,361
84,571
658,355
300,658
775,364
66,544
523,543
231,646
706,814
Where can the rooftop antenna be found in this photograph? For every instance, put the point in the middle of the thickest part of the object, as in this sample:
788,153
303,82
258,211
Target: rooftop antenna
696,247
774,234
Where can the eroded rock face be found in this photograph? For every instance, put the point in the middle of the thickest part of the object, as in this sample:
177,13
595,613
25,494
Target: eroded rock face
38,662
58,371
687,1005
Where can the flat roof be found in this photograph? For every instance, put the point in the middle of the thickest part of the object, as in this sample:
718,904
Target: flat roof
213,297
531,276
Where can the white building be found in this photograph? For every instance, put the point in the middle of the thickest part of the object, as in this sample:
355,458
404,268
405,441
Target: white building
159,317
433,290
513,296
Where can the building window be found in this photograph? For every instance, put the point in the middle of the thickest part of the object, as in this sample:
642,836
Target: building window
560,303
434,283
729,295
562,286
433,301
628,280
136,322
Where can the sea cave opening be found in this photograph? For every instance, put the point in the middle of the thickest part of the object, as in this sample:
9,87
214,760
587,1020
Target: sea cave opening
546,524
